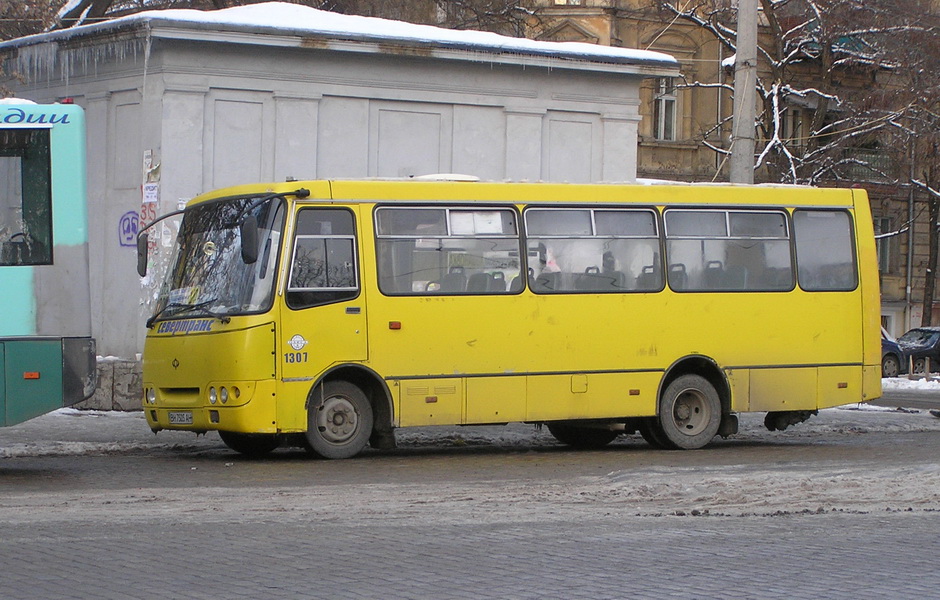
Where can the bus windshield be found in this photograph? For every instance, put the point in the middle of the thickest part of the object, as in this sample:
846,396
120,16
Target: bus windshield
209,276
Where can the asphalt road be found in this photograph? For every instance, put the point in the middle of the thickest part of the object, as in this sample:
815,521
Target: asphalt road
843,506
924,400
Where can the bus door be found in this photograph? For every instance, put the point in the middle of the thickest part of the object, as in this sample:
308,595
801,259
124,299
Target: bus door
324,321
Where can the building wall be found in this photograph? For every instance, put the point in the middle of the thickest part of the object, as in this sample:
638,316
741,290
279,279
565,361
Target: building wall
208,115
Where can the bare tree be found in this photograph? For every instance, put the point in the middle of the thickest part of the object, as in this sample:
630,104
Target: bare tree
830,60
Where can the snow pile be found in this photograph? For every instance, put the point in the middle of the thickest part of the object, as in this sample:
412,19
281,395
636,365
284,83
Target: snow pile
901,383
283,18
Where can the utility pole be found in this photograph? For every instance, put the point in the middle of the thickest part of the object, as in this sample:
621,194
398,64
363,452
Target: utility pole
745,94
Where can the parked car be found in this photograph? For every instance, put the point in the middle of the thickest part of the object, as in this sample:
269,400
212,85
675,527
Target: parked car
922,344
893,357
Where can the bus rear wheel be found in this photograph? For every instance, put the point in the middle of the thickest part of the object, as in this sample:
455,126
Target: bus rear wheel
339,420
251,444
653,434
581,437
689,412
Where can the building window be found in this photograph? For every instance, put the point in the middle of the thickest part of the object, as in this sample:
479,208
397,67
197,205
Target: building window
664,110
792,128
883,225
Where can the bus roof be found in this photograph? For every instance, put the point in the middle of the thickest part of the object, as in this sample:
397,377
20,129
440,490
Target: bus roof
462,190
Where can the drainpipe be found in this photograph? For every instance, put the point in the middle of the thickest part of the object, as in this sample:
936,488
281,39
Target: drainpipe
908,293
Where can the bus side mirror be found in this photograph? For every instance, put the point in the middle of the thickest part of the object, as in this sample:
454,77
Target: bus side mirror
143,242
249,233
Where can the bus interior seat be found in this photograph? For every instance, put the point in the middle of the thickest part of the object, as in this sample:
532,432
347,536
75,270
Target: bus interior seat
479,282
454,281
714,275
736,277
498,282
589,280
648,279
546,282
616,280
678,278
594,280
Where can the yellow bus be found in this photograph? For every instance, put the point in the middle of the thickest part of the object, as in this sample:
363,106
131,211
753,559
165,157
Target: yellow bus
330,313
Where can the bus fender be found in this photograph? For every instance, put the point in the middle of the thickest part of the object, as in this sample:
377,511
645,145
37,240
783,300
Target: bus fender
378,392
708,368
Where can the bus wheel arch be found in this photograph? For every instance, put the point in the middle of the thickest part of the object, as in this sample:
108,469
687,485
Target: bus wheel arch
349,396
694,405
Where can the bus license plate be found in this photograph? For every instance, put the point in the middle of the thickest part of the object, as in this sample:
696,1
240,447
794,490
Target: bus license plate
181,418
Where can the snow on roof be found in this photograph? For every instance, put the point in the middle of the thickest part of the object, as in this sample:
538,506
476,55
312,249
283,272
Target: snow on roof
291,19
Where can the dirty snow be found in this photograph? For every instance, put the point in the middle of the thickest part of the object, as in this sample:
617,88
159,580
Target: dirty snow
70,432
653,488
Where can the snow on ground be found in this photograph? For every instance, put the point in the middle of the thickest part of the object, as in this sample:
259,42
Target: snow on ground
646,485
902,383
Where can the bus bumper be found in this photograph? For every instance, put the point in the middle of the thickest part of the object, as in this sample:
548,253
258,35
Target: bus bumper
252,412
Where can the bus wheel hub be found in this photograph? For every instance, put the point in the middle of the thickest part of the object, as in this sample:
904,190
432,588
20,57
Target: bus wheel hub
337,419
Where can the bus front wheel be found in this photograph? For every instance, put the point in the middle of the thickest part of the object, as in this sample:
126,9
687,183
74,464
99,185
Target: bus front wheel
339,420
689,412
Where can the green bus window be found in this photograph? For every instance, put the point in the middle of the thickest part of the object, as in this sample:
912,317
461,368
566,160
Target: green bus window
447,251
729,250
323,262
825,254
25,197
593,250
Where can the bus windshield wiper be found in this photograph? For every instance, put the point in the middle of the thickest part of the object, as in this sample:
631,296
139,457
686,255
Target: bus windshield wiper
179,307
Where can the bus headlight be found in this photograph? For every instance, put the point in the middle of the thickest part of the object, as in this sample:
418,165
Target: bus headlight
213,395
223,395
152,395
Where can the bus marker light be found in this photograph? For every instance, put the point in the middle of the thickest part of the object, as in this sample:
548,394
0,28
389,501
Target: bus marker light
31,375
394,324
634,392
430,399
843,385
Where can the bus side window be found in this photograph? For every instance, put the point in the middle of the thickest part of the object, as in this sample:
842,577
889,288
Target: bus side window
446,250
593,250
25,197
324,263
728,250
825,253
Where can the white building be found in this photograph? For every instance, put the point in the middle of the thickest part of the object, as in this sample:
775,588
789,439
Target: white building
190,101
